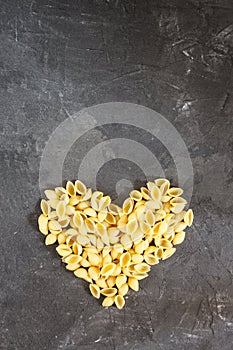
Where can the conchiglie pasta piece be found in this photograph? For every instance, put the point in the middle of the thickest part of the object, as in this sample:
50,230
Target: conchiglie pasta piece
168,253
95,290
83,205
77,219
82,273
179,238
164,243
95,198
128,206
70,188
123,290
77,248
175,192
102,215
137,236
53,203
80,187
119,301
120,280
63,250
43,224
109,292
131,226
150,217
125,259
45,207
73,259
151,259
94,273
188,217
83,240
99,243
107,259
145,193
74,200
61,238
61,209
90,225
142,268
133,283
108,301
110,218
181,226
178,200
140,275
154,205
60,191
137,258
111,281
72,267
87,195
101,282
50,194
117,270
55,226
93,259
161,181
136,195
104,202
90,212
100,229
164,187
114,209
50,239
162,227
108,269
155,193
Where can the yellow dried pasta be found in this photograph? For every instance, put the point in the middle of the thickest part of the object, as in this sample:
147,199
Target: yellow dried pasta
110,247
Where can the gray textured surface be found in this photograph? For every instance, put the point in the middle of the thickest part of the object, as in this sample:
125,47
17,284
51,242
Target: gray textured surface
58,57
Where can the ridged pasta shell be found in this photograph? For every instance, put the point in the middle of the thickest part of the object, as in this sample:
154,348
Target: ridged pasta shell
82,273
50,239
145,193
73,259
119,301
93,259
60,191
101,282
137,258
175,192
131,226
77,248
80,187
95,198
108,269
136,195
150,217
128,206
117,270
50,194
74,200
82,239
87,195
107,259
164,187
133,283
63,250
105,251
72,267
108,301
120,280
162,227
123,290
181,226
83,205
151,259
61,238
70,210
64,222
109,292
140,275
45,207
95,290
55,226
111,281
188,217
179,238
94,273
90,225
110,218
142,268
43,224
84,262
125,259
104,202
77,219
155,193
177,208
90,212
160,181
102,215
70,188
53,203
100,229
137,236
168,253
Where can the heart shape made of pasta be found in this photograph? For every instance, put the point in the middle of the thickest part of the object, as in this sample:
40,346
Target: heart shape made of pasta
109,246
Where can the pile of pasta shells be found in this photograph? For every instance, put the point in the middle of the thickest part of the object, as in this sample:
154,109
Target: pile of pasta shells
112,247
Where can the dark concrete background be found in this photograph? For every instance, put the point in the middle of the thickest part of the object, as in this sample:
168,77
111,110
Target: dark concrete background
175,57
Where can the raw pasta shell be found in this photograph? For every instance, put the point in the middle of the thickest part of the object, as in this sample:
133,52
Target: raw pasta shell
133,283
119,301
108,301
80,187
109,292
70,188
95,290
123,290
188,217
50,239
